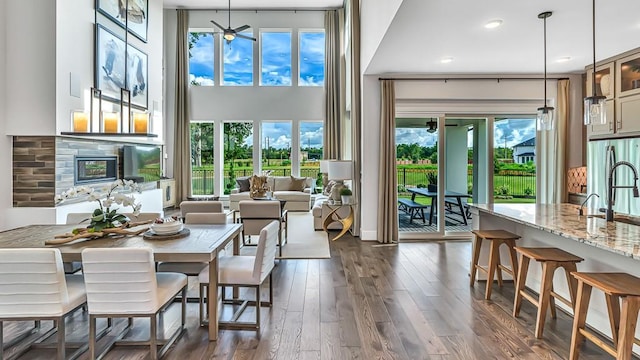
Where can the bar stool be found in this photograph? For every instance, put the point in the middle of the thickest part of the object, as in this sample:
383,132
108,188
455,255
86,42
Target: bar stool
497,238
550,259
623,324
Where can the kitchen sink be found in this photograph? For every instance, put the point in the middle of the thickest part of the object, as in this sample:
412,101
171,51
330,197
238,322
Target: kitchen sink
622,219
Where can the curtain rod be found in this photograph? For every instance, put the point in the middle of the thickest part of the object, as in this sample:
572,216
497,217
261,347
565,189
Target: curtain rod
498,79
263,10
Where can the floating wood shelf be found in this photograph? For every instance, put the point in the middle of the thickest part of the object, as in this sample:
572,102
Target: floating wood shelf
109,134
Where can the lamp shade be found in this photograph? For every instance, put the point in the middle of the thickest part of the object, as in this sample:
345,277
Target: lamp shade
340,170
324,166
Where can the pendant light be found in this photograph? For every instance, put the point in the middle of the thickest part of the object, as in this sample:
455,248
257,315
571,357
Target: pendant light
545,118
594,105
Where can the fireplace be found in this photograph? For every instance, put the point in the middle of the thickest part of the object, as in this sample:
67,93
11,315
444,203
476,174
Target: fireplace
90,169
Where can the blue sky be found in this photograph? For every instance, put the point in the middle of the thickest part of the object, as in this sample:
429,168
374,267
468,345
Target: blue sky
276,58
238,61
311,59
514,131
279,134
201,67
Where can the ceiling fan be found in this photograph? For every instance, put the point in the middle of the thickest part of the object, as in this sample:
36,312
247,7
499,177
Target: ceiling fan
432,126
229,34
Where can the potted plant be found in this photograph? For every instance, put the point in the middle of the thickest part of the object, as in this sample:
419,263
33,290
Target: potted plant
432,179
345,195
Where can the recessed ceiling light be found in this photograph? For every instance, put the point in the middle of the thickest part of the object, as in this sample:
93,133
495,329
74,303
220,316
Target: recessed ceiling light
563,59
493,24
446,59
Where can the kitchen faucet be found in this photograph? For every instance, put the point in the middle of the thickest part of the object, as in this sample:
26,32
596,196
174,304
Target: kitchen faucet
585,201
611,188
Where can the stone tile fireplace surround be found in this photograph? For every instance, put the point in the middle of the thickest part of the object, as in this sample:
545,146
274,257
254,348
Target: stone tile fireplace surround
44,166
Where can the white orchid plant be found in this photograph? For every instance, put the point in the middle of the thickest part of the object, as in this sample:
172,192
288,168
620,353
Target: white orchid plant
104,217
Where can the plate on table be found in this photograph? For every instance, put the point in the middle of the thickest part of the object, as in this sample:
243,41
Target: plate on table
167,228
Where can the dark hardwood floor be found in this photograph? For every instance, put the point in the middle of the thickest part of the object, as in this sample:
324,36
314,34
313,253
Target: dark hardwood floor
411,301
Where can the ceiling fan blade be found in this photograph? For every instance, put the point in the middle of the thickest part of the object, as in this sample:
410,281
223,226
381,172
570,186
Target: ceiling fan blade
218,25
241,28
245,37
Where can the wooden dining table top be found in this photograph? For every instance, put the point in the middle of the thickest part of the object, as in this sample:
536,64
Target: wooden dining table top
200,245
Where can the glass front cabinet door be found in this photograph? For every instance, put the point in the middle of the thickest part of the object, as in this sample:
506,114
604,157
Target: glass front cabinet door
628,76
604,87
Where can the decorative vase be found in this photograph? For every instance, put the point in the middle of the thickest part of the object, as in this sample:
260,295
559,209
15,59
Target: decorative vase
346,199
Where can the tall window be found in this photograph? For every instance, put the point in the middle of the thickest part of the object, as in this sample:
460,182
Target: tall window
238,150
201,68
514,178
202,175
311,58
310,147
276,147
275,55
238,61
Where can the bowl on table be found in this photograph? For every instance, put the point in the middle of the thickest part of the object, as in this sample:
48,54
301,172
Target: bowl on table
167,226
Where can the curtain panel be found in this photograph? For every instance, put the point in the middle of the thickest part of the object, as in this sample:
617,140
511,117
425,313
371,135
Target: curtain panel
181,135
387,178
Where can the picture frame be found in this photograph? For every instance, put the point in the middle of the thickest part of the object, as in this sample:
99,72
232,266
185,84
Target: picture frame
110,64
137,76
135,19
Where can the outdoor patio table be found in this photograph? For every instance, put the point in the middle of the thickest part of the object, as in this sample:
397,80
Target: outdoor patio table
433,195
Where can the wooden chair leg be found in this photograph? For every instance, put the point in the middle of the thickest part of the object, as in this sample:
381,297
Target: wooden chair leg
571,282
499,268
579,319
629,320
520,283
477,244
552,301
494,256
613,308
545,294
514,257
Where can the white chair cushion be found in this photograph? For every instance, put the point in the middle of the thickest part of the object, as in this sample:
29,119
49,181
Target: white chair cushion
189,268
232,270
169,284
292,195
76,291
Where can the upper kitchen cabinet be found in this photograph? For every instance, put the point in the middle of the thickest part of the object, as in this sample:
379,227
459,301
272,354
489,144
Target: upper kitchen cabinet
628,75
604,87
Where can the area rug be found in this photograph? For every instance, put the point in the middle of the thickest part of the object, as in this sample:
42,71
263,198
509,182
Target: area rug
303,242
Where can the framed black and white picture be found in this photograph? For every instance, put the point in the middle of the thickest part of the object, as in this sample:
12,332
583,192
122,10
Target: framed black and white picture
137,76
110,63
133,18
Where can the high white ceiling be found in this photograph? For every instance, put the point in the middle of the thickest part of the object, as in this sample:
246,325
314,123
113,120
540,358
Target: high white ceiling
424,31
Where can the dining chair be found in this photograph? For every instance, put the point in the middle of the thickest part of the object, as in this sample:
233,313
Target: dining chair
245,271
256,214
145,216
122,283
34,287
189,206
193,268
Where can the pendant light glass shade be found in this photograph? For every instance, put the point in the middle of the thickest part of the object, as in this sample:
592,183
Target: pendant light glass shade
594,105
545,118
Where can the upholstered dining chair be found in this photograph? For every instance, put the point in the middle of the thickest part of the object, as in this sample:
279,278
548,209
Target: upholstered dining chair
122,282
189,206
144,216
245,271
193,268
34,287
256,214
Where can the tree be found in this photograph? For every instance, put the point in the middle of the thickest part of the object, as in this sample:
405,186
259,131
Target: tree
234,135
201,144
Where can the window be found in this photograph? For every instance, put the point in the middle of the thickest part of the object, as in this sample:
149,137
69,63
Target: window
514,178
202,175
276,58
201,68
238,150
311,58
311,142
238,61
276,147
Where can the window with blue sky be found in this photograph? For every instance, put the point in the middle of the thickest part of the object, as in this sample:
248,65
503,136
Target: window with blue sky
238,61
201,68
311,58
275,67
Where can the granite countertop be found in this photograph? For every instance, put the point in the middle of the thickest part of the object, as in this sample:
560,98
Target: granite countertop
563,220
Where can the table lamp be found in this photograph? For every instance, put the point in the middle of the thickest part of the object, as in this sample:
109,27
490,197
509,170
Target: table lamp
339,170
324,170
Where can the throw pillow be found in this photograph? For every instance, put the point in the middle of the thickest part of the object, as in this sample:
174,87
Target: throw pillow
258,186
328,188
298,184
243,183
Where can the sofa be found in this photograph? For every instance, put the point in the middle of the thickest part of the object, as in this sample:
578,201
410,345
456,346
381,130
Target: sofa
284,188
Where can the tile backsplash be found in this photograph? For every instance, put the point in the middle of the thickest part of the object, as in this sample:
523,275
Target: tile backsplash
577,180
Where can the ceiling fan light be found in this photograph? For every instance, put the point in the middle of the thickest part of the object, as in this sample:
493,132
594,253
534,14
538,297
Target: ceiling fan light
229,36
432,126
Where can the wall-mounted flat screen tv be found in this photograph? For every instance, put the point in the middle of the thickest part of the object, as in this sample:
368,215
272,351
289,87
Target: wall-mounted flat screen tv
141,163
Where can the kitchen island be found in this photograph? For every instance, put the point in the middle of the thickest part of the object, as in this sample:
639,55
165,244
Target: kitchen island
605,246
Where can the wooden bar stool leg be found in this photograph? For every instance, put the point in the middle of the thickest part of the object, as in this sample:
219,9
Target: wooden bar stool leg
512,254
630,307
494,256
499,267
477,244
545,295
520,283
571,282
552,300
579,319
613,307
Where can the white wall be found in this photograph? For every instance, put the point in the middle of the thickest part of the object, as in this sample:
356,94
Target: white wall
419,98
5,141
375,18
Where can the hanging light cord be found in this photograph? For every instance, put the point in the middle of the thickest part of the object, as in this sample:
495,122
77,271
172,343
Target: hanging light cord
545,60
593,19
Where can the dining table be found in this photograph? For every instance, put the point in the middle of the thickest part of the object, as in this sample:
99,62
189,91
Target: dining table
456,196
201,244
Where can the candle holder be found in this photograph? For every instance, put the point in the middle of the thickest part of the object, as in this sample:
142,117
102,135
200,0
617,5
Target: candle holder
110,122
80,121
140,122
